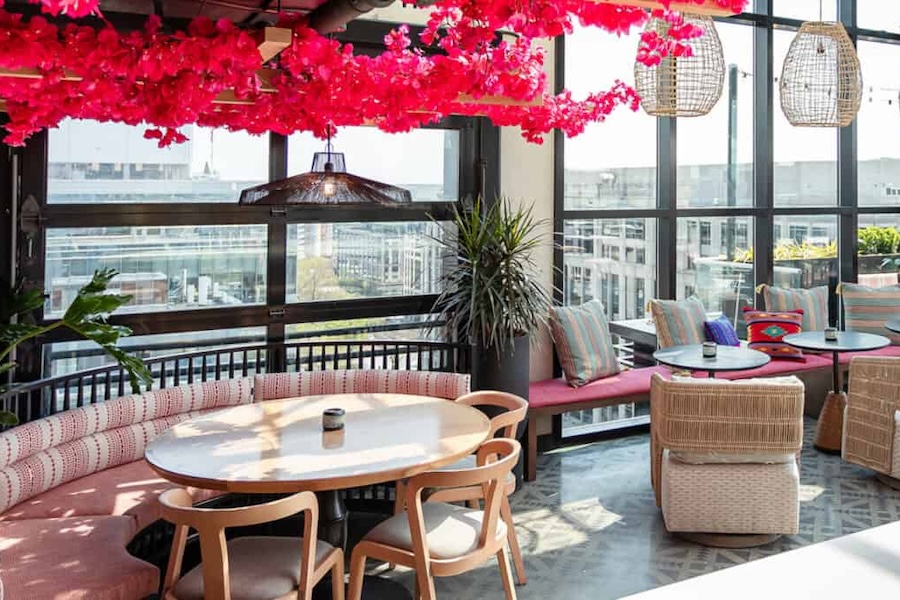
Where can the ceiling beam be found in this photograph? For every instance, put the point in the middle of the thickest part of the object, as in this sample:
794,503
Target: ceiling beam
708,8
271,41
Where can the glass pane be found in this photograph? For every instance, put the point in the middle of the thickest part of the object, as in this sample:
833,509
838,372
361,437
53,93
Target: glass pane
163,268
879,126
705,176
805,250
340,261
807,10
404,327
611,260
715,262
424,161
878,15
613,163
805,157
71,357
879,250
92,162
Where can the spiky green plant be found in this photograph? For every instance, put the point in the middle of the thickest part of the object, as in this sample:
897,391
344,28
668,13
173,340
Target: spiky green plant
86,317
491,294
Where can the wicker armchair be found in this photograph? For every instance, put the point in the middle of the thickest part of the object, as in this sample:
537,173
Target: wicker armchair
872,418
724,457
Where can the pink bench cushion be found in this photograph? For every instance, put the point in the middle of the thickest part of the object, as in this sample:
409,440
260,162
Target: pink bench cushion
73,559
781,367
273,386
555,392
131,490
846,357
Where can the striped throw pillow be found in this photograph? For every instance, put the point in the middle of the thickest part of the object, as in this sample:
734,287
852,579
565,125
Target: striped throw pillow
868,309
583,343
813,303
766,330
678,322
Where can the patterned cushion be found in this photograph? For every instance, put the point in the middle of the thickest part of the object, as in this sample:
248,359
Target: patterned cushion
81,558
813,303
678,323
46,453
722,332
867,309
765,331
274,386
583,343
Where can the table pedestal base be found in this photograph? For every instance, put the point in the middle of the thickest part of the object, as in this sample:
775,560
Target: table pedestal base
889,481
730,540
830,426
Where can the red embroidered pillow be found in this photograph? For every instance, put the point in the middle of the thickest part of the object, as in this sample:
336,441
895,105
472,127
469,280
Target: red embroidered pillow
765,330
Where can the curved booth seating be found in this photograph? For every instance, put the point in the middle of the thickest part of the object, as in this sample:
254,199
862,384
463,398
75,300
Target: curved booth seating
74,490
274,386
872,417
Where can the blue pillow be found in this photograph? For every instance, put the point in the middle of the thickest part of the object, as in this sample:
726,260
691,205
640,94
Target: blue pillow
722,332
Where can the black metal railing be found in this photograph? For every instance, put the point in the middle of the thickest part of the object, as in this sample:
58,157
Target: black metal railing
45,397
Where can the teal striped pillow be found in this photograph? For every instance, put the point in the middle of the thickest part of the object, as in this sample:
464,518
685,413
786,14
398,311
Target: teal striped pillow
583,343
868,309
679,322
813,303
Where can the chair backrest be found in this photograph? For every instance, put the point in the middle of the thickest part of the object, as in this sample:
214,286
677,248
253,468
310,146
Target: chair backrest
495,459
274,386
210,524
514,410
48,452
873,400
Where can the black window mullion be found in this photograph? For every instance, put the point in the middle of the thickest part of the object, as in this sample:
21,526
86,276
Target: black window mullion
763,149
276,259
667,203
848,177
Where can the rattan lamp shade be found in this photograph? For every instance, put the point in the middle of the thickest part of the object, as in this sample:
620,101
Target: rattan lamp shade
686,86
821,81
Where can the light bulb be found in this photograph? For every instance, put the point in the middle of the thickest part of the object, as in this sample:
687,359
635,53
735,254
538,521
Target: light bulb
328,188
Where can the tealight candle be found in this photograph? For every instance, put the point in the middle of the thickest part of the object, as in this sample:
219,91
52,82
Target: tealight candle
333,419
709,349
831,334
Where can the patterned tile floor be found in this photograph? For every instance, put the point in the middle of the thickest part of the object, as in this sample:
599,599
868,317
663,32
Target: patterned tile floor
590,529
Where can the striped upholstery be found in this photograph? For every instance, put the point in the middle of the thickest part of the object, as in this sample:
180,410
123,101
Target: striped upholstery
583,343
813,303
678,322
867,309
274,386
40,455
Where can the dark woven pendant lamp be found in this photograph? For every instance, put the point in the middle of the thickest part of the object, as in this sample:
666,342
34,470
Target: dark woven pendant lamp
327,183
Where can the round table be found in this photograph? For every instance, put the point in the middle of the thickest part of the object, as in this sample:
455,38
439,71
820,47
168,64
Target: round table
727,358
829,427
893,326
278,446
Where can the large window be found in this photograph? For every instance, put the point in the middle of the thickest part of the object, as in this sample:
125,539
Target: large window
612,164
807,10
879,126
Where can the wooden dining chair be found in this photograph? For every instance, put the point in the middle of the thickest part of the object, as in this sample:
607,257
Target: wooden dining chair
439,539
503,424
254,567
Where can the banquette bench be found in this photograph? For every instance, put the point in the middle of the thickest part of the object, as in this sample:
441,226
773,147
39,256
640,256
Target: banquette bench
553,397
75,489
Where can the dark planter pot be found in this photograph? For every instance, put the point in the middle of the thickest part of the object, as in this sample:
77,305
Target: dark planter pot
507,372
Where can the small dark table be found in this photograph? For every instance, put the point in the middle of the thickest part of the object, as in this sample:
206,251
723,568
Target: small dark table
830,426
893,326
728,358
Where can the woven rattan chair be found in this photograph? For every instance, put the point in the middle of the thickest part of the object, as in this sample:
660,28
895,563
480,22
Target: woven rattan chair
872,417
724,458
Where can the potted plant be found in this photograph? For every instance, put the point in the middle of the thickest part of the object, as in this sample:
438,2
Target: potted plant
86,317
491,297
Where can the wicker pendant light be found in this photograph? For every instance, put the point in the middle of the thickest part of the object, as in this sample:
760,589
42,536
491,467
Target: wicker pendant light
687,86
821,81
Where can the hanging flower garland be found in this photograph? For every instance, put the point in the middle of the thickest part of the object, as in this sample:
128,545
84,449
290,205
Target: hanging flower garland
172,80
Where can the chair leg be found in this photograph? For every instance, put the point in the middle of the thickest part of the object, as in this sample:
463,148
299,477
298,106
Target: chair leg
425,586
400,499
473,503
337,577
513,540
357,574
509,588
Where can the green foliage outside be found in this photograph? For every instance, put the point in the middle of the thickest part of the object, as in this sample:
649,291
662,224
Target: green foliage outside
86,317
317,281
873,241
